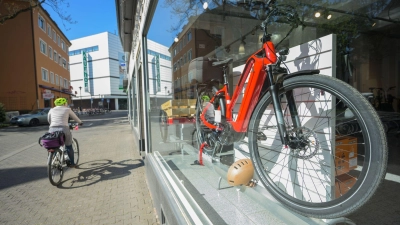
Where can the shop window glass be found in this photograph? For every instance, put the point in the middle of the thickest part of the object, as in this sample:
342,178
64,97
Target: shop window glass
363,53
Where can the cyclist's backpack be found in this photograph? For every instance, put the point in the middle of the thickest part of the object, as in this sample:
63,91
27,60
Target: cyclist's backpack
52,140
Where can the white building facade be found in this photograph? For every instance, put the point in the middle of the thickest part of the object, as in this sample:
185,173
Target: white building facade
97,66
160,74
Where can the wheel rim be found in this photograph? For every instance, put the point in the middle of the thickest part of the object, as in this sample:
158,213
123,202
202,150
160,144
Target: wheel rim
75,147
56,170
300,184
34,122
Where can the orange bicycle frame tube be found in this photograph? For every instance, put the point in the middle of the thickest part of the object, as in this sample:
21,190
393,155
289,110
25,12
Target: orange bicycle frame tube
253,72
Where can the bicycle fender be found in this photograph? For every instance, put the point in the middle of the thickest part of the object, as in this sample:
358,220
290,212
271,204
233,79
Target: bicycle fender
48,158
281,77
300,73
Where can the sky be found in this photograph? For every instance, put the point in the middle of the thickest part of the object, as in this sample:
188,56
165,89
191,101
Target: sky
94,16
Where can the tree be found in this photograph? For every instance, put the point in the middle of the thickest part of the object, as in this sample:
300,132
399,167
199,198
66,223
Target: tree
9,9
2,113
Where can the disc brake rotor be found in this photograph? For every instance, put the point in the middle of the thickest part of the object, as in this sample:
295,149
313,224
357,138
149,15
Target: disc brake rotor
303,142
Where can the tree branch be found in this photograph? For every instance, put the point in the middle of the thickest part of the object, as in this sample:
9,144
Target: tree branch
12,15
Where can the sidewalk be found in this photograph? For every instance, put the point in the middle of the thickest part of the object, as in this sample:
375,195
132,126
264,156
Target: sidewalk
109,187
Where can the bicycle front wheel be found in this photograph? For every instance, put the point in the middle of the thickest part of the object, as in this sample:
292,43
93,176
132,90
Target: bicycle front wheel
54,168
337,154
75,147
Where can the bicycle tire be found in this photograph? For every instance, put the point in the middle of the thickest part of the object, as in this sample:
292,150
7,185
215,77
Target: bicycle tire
163,125
54,168
75,147
204,134
306,180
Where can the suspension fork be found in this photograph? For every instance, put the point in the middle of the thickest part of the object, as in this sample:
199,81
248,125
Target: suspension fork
273,89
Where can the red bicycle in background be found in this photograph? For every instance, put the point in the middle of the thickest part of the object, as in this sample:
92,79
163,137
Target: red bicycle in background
295,127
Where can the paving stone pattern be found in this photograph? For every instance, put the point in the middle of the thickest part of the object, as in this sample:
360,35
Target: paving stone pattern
109,187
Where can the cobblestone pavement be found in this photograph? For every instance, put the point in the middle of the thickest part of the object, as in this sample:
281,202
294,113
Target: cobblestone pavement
109,187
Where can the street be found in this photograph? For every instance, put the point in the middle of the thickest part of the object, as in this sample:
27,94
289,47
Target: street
109,187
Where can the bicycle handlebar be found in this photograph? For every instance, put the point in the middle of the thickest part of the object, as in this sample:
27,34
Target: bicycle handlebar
74,125
286,11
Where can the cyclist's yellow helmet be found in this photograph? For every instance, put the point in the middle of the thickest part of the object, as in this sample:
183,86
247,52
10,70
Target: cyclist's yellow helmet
60,101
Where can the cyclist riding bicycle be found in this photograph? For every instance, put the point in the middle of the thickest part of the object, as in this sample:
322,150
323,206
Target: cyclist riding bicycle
58,120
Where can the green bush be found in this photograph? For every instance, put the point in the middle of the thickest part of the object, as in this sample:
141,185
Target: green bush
2,113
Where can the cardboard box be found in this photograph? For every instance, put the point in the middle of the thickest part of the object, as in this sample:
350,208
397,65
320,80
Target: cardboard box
343,184
341,162
346,154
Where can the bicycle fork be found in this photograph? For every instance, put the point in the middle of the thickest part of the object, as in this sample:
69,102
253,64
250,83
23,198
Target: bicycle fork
273,89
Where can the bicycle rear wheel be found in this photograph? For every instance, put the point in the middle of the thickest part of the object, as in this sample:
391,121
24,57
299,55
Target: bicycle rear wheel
335,160
54,168
75,147
163,125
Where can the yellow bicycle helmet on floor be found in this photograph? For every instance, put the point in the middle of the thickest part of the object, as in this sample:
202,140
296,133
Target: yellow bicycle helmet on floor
60,101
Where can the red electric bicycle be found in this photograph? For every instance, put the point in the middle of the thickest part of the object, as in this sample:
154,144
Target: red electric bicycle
295,126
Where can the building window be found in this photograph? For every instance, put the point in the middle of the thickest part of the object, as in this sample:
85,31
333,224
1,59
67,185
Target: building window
45,74
43,47
54,36
57,81
79,51
63,45
42,23
189,36
58,40
59,59
64,63
61,81
50,52
55,56
189,55
65,83
49,30
52,77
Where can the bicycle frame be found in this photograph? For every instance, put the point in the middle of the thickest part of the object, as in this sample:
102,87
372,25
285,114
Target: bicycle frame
49,151
256,72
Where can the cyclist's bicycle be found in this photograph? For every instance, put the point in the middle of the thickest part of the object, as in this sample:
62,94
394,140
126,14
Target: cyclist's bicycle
292,123
58,159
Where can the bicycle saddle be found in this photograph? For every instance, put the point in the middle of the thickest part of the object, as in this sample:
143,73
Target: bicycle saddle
222,63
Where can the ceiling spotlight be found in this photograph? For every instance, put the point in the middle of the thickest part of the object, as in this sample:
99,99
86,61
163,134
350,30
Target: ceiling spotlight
329,16
241,47
205,5
317,14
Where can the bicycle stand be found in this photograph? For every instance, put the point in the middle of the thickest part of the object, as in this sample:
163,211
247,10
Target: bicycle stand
339,220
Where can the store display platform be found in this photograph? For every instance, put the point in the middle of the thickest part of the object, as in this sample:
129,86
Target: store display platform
222,203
